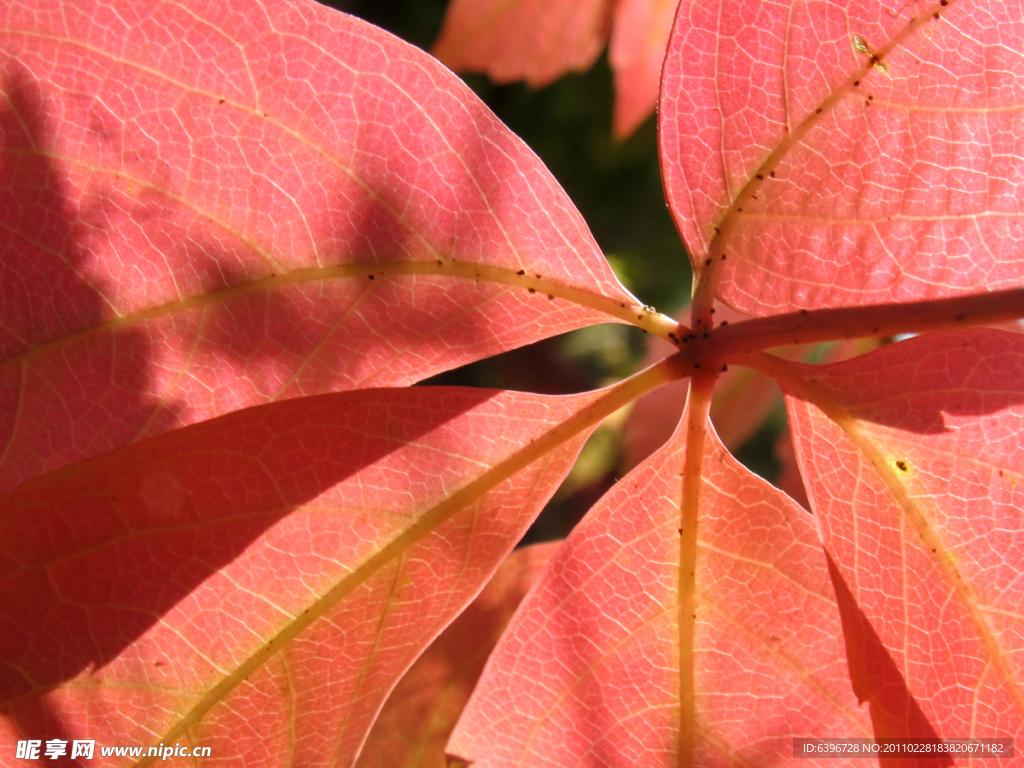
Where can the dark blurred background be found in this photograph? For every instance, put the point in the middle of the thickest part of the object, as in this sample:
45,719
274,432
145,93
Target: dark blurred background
617,187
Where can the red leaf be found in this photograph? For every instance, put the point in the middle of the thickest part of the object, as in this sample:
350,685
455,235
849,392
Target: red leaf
637,51
827,181
913,473
208,208
211,206
589,669
250,583
421,712
533,40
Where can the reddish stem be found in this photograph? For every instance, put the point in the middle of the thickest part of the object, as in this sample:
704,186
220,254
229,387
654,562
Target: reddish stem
725,343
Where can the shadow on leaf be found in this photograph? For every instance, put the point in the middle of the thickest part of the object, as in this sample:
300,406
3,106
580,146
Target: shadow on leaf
876,679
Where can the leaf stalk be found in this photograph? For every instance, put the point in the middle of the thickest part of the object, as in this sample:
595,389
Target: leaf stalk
725,344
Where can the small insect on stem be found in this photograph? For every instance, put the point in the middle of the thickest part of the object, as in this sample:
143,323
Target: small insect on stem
861,45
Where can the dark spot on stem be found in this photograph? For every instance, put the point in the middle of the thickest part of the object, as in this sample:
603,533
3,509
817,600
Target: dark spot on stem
739,210
370,276
803,311
901,465
943,3
712,310
521,272
871,97
725,368
960,317
707,262
856,83
551,297
533,290
697,366
772,174
875,329
760,177
724,323
440,263
936,16
817,111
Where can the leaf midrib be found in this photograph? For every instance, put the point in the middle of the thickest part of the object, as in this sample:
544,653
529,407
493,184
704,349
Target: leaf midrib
711,271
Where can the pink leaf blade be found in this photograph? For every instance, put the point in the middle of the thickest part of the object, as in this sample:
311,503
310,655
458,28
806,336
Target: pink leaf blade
274,201
254,578
826,181
533,40
636,52
414,726
590,663
929,450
